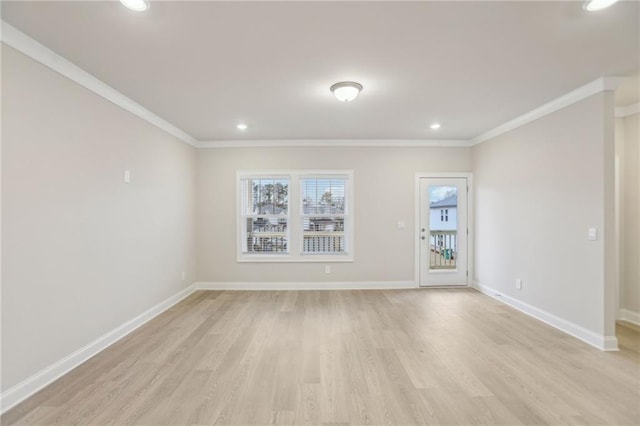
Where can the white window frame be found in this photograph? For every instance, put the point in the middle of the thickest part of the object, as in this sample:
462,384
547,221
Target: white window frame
295,225
242,216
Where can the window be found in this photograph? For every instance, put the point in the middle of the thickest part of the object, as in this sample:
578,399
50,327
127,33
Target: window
265,215
296,216
444,215
323,215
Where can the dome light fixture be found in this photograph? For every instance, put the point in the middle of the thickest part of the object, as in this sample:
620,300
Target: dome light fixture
594,5
136,5
435,126
241,126
346,91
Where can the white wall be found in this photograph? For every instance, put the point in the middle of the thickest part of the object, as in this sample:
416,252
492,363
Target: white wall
630,215
82,251
384,194
538,189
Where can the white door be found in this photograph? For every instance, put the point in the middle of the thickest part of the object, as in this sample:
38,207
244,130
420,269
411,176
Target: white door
443,231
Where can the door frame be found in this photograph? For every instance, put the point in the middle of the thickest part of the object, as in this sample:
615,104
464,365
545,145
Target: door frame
470,210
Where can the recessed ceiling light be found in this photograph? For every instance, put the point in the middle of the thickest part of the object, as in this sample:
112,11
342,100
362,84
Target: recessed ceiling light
435,126
593,5
136,5
346,91
241,126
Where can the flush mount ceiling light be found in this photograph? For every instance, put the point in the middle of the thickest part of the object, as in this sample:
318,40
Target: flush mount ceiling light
346,91
241,126
136,5
593,5
435,126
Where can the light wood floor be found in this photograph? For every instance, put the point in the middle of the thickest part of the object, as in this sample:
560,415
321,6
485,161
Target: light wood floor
345,357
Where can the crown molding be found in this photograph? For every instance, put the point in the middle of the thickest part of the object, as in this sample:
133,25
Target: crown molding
600,85
622,112
40,53
370,143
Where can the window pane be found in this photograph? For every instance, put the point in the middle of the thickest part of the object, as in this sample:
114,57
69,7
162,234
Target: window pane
266,196
323,196
266,235
443,232
323,235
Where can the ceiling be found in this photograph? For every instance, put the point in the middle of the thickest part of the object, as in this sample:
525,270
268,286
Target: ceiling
471,66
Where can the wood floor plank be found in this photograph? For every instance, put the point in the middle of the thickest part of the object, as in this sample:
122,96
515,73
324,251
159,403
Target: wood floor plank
353,357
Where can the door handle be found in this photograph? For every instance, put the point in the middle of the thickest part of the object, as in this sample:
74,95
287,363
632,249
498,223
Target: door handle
423,237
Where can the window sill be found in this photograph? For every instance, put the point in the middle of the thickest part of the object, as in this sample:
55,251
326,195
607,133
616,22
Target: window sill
300,259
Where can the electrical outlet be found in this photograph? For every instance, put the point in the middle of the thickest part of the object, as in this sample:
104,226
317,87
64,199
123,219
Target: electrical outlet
327,269
184,275
127,176
518,283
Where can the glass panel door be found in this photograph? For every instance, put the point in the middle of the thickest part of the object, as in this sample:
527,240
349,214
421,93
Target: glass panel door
443,231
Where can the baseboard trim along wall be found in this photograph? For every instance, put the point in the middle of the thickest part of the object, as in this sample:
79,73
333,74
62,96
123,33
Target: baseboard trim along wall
33,384
629,316
604,343
18,393
297,285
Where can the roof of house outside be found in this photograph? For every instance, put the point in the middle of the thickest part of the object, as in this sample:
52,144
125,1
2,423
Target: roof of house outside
269,209
451,201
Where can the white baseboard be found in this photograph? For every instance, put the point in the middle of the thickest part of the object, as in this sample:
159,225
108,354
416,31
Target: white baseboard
33,384
629,316
604,343
297,285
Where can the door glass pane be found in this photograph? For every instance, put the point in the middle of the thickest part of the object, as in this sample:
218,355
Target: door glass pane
443,227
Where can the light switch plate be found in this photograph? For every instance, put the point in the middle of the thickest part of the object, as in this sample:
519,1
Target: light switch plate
592,234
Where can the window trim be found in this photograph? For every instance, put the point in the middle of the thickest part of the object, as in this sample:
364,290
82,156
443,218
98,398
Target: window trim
295,233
